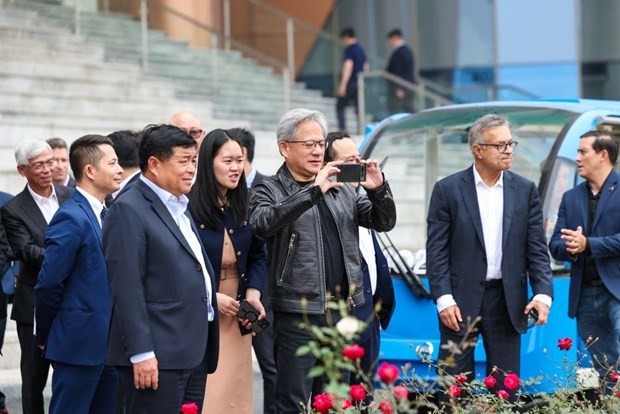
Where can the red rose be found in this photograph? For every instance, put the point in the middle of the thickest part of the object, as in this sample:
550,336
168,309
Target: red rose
618,394
388,373
357,392
454,391
385,407
353,352
565,344
401,392
614,376
322,403
490,381
502,394
346,403
460,378
189,408
511,382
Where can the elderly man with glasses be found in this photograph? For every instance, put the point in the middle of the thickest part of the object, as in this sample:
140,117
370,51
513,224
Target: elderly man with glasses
25,218
309,221
485,240
190,124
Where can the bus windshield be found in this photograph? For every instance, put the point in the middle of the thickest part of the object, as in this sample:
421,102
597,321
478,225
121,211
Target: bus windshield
417,151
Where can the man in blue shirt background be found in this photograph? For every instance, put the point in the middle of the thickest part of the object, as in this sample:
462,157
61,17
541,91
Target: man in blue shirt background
353,62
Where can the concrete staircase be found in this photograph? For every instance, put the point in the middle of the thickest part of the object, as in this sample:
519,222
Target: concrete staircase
54,83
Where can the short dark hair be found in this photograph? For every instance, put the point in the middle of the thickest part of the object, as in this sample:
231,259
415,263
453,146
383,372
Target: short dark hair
395,33
347,32
603,140
57,143
329,155
206,196
126,144
245,138
85,151
160,141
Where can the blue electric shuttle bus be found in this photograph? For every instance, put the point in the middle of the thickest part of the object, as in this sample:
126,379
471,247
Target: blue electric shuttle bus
417,150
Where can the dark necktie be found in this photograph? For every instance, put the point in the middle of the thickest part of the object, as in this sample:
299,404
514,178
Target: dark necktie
103,213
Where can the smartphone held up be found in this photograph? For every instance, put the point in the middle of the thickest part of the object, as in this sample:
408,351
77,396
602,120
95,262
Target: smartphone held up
351,173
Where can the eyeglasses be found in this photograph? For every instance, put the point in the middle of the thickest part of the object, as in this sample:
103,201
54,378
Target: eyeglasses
502,146
310,144
195,133
39,166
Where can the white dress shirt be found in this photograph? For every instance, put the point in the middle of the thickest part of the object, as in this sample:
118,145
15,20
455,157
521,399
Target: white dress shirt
47,205
95,204
368,253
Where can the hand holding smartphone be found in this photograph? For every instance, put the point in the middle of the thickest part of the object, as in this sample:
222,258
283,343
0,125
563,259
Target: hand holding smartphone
532,318
247,311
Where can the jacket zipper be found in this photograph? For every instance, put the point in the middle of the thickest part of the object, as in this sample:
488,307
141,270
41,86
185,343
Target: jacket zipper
289,258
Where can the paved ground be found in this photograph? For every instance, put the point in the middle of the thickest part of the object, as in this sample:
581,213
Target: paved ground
10,379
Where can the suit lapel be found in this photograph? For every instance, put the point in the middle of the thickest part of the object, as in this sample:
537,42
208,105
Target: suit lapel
509,206
470,197
83,203
582,206
32,210
606,192
63,194
164,215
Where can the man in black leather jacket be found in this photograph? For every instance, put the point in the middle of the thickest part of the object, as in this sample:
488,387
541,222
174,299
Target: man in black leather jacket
310,222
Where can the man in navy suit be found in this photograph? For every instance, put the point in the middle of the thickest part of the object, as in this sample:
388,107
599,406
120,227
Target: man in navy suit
586,234
401,64
164,319
25,218
377,282
73,299
126,145
485,239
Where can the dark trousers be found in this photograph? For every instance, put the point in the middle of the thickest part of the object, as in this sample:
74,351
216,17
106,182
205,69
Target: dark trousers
166,399
502,343
598,316
370,343
396,104
34,370
83,389
263,345
342,102
293,386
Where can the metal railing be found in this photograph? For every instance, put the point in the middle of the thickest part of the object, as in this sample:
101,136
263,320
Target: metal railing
426,92
219,40
419,91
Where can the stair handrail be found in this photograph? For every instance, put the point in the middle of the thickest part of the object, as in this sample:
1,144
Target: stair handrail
421,92
490,89
273,62
293,20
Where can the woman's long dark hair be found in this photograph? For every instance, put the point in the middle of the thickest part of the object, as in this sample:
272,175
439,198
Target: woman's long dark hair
206,195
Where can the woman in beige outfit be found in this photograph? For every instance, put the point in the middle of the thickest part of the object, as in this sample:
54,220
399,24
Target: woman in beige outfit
219,205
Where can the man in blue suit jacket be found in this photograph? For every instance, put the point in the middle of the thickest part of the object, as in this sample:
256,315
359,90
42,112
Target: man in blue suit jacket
73,299
485,238
587,234
164,328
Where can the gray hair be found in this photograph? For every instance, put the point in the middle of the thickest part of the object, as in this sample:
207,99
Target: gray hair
29,149
484,123
287,127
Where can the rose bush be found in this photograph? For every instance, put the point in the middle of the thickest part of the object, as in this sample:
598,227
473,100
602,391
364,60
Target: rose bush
465,393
